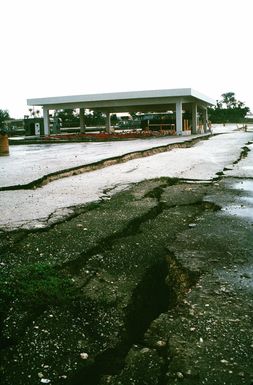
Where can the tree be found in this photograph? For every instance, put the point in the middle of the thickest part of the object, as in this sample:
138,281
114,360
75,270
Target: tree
94,118
229,100
228,110
4,115
134,115
69,118
114,119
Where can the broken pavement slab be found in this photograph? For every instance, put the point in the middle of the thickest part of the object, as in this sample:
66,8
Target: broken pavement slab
209,335
29,163
150,293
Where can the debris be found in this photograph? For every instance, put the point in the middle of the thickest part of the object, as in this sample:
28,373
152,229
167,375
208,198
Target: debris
161,344
224,361
145,350
246,275
84,356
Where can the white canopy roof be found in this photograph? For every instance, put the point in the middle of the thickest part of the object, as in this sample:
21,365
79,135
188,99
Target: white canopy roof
124,101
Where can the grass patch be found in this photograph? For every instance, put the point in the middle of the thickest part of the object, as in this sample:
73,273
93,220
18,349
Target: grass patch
36,285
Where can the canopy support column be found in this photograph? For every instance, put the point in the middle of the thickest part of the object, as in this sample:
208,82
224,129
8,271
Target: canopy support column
46,121
194,118
179,113
82,124
205,119
108,123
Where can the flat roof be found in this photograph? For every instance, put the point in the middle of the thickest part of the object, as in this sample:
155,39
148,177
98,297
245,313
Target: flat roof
142,101
165,93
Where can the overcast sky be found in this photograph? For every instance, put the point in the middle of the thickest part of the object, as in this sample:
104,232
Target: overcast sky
73,47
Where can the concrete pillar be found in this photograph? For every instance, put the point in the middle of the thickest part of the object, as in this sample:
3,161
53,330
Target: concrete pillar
82,124
108,122
179,113
194,118
56,126
46,121
205,119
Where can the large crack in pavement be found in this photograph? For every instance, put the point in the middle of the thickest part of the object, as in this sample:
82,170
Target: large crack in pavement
133,227
244,152
243,155
153,291
161,288
173,285
45,207
101,164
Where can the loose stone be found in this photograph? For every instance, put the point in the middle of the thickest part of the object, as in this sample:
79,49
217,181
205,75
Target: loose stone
84,356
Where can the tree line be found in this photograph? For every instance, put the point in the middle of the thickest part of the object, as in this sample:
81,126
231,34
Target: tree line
228,110
70,118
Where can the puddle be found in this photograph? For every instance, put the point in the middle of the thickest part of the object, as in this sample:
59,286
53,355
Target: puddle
245,185
241,211
244,203
248,200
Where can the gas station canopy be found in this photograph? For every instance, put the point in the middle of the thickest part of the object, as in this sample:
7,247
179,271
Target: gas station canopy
177,100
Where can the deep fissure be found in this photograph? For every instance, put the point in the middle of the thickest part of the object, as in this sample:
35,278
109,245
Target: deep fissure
154,295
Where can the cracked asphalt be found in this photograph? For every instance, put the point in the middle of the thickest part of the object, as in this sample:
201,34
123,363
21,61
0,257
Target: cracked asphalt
149,285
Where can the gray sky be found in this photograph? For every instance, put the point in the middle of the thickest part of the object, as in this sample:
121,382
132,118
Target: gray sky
63,47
